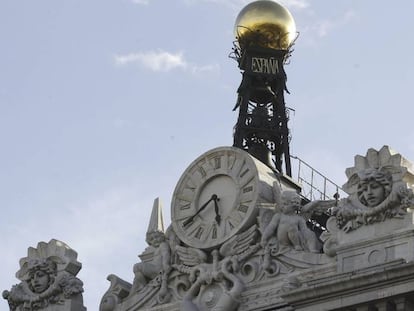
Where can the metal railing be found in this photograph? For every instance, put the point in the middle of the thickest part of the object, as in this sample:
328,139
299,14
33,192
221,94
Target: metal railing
315,185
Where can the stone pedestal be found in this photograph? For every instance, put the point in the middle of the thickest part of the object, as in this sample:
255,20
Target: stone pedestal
375,244
375,267
75,304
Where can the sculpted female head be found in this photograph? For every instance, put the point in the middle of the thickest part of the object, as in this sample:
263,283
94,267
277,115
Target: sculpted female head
374,186
41,275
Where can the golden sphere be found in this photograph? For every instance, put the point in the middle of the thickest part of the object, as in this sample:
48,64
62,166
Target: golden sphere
265,23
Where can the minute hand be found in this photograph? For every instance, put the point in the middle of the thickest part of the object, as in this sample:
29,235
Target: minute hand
190,219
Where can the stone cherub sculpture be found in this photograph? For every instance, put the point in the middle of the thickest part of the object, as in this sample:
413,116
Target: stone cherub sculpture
49,280
151,276
157,263
288,225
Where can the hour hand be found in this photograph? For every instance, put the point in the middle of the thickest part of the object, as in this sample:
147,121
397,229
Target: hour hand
216,209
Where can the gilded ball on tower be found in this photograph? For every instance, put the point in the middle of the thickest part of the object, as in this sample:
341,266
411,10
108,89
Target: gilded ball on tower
267,24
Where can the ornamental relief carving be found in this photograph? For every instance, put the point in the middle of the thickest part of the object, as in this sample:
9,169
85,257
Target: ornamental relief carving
379,188
276,247
48,279
279,244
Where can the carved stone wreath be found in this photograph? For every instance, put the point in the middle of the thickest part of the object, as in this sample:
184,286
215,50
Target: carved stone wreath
48,276
385,168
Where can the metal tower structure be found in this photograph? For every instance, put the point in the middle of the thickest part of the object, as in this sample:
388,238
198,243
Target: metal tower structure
262,47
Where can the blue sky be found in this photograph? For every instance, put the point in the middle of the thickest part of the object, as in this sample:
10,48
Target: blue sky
103,104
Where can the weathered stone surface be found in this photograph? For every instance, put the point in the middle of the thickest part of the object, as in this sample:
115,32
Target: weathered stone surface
376,244
49,281
371,238
268,254
278,262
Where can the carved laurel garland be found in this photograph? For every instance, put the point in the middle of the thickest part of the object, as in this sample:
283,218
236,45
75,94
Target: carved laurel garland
56,264
383,167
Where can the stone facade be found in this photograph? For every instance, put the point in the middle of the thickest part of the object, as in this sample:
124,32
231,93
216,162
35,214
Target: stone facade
362,261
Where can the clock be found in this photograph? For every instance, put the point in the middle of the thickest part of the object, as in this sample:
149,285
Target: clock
217,196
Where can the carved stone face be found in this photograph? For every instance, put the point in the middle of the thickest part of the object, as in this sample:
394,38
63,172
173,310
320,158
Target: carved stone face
39,281
155,238
372,193
291,202
374,186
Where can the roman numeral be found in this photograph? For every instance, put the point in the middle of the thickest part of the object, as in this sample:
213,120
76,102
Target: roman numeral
230,224
191,187
199,233
185,197
214,232
244,173
231,161
217,162
202,171
247,189
243,208
184,206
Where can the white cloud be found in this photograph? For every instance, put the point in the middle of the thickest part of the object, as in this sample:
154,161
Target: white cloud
162,61
145,2
239,4
298,4
154,60
199,70
324,27
315,27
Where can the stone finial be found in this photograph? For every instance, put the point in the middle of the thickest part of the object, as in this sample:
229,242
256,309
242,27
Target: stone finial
156,224
49,281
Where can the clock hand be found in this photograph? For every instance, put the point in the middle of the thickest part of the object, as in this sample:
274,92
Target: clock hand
190,219
216,209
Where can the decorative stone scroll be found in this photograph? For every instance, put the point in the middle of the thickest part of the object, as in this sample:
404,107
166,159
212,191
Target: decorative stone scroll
278,253
380,189
49,281
190,279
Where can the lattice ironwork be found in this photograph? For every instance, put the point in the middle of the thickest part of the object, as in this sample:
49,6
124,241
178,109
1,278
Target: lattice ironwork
262,125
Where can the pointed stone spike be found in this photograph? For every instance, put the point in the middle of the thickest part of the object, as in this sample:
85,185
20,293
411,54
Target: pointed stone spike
373,158
156,223
360,162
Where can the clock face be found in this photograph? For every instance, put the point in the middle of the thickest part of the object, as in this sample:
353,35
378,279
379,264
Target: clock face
215,197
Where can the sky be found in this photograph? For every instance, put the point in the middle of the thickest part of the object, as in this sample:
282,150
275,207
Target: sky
104,103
